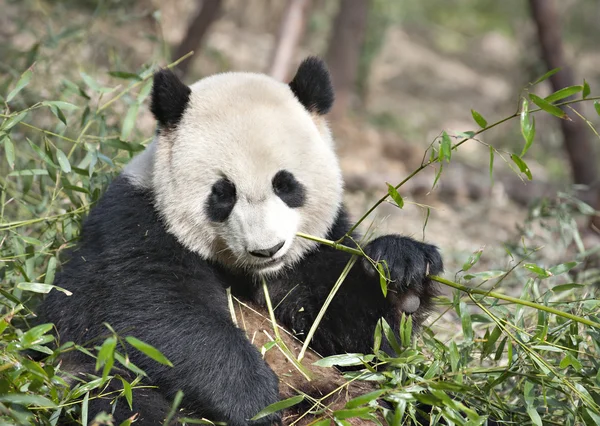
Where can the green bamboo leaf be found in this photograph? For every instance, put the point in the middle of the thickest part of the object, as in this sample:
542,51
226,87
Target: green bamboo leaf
9,150
93,84
482,122
63,161
472,260
278,406
148,350
446,147
344,360
437,175
597,107
586,89
128,146
106,352
355,412
125,75
13,120
393,192
67,106
563,267
42,154
563,93
365,399
144,92
529,135
548,107
21,83
527,126
27,399
42,288
406,328
565,287
129,120
546,76
522,165
127,391
29,172
485,275
50,271
467,324
383,274
59,114
538,270
85,409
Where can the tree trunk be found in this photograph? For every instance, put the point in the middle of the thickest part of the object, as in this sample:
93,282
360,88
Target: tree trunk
292,27
577,142
345,44
208,11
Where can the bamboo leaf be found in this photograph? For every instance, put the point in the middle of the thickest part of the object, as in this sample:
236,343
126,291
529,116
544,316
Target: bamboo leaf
393,192
586,89
482,122
473,259
563,93
522,165
148,350
546,76
278,406
129,121
446,147
9,150
23,399
366,398
42,288
63,161
23,81
12,121
125,75
548,107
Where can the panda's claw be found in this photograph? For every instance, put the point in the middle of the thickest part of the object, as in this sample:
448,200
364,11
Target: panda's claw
409,262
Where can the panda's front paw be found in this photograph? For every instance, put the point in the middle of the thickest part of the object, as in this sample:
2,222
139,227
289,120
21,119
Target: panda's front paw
408,262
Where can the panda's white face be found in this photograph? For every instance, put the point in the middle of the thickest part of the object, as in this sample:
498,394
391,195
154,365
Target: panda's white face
245,168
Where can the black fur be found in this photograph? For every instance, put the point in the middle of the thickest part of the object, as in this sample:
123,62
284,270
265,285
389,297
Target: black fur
289,189
221,201
312,86
169,98
128,271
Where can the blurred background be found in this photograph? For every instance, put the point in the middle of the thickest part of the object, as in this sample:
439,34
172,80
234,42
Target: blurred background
404,71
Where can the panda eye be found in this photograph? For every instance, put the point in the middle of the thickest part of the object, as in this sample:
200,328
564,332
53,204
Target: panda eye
289,189
221,201
223,189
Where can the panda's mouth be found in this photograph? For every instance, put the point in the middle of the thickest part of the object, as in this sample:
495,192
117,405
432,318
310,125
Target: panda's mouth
269,265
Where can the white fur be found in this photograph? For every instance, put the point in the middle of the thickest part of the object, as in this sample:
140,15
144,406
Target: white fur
247,127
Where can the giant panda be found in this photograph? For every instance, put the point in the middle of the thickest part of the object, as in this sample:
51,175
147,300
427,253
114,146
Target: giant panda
240,164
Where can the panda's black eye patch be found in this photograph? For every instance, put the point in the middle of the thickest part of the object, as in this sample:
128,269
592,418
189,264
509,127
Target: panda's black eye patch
289,189
221,200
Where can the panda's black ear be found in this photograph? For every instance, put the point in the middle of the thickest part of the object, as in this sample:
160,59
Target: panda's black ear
169,98
312,86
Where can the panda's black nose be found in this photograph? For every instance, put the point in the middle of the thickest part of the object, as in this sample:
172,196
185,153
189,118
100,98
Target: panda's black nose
270,252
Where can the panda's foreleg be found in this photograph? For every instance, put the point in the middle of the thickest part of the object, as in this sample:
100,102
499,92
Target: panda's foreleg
221,374
349,324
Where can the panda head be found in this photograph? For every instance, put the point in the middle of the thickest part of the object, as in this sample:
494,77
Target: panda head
243,162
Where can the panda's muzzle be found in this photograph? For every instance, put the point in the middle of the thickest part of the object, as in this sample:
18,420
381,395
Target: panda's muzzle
269,252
